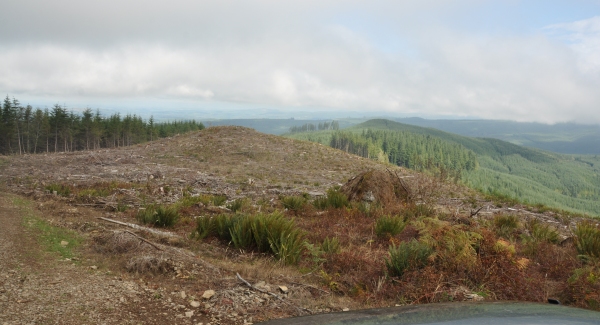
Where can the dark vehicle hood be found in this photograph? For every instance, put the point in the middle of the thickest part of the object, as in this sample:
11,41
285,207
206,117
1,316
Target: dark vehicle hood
492,313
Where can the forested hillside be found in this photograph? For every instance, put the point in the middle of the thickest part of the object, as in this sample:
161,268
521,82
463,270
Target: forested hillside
562,137
24,129
414,151
569,182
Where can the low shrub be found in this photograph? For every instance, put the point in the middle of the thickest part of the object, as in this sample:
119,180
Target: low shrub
330,246
159,216
188,200
60,189
271,233
294,203
418,210
506,225
205,227
584,287
389,226
406,255
219,200
454,245
288,246
334,199
587,239
223,225
237,204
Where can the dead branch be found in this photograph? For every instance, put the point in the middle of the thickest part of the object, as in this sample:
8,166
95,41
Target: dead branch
272,294
475,213
134,226
144,240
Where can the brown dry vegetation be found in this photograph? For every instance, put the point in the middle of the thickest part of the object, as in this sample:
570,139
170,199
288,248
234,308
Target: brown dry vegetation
473,256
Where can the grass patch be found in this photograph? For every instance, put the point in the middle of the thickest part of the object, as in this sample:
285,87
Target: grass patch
218,200
159,216
330,246
60,189
406,255
238,204
506,225
54,239
587,239
389,226
270,233
293,203
334,199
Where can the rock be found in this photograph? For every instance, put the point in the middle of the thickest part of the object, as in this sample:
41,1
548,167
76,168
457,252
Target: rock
208,294
195,304
474,297
283,289
189,314
64,243
183,295
346,309
93,267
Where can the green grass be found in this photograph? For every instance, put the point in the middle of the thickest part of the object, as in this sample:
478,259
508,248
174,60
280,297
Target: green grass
389,226
238,204
219,200
293,203
159,216
334,199
330,246
60,189
406,255
587,239
506,225
271,233
49,236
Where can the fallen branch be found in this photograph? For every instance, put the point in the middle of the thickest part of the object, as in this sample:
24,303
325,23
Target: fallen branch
143,239
272,294
134,226
475,213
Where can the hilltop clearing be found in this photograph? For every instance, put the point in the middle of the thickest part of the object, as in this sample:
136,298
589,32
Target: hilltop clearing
230,226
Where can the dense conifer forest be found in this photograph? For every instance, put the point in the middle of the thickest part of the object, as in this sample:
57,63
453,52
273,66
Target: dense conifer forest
496,167
24,129
414,151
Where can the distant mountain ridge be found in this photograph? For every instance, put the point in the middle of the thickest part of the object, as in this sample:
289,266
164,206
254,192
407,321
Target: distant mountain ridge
570,138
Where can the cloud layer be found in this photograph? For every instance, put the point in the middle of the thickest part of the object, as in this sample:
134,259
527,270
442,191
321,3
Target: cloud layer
384,56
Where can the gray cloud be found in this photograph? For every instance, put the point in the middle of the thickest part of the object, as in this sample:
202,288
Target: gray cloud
300,54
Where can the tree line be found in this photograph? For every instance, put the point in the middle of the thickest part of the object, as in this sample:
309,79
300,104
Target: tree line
24,129
410,150
308,127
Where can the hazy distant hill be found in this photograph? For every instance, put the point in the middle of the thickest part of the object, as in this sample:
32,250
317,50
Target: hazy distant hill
570,182
563,137
274,126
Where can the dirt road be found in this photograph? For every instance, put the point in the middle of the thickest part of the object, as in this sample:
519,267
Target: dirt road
40,287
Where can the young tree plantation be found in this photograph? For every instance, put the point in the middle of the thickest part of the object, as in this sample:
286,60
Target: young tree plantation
24,129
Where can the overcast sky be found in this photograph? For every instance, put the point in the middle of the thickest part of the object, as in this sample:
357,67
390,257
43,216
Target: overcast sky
515,60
